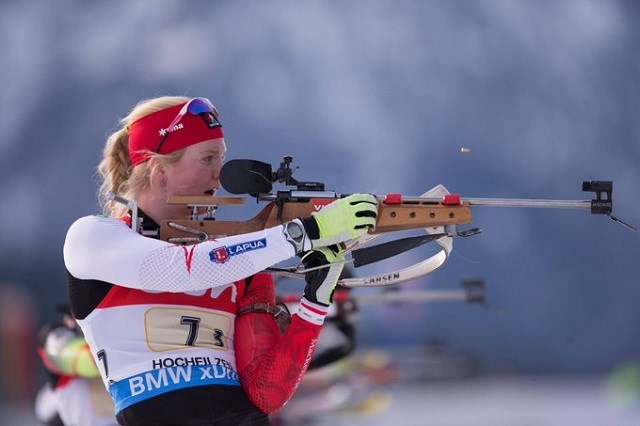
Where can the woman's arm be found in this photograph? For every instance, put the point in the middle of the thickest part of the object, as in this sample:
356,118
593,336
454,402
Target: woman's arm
271,365
106,249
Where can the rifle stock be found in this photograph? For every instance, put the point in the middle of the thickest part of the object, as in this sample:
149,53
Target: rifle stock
414,214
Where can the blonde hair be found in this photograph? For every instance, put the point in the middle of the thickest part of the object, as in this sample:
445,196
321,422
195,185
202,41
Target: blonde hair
116,172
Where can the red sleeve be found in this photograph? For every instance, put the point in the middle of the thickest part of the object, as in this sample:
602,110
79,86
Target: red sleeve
271,365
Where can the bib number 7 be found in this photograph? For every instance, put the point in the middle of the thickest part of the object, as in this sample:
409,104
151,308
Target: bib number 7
170,328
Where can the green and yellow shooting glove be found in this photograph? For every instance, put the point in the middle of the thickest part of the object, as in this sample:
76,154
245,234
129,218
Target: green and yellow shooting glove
342,220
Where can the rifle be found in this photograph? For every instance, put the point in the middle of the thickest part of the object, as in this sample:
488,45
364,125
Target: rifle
437,211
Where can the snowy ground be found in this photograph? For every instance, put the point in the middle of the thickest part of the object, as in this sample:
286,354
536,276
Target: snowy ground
495,401
512,401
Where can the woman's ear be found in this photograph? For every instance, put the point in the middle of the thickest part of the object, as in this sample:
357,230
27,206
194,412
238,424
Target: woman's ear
158,175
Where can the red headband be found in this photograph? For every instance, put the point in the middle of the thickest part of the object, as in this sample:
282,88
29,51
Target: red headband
146,132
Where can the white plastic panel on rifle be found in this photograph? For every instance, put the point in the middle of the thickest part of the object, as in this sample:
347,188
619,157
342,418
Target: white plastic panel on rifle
414,271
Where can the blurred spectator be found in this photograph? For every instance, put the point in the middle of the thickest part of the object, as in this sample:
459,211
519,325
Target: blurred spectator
17,361
74,393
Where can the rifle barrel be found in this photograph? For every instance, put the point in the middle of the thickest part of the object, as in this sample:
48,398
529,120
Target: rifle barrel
528,203
480,202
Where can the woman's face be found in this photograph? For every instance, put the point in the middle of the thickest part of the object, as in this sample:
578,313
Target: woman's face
197,173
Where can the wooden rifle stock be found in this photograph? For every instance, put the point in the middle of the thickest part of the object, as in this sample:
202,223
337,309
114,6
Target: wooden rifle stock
405,215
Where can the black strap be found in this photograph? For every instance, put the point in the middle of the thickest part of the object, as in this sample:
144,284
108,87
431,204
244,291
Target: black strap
367,255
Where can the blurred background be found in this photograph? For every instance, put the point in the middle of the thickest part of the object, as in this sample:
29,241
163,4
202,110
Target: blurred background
491,98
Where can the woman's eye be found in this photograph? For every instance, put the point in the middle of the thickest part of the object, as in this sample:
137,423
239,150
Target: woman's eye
212,158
